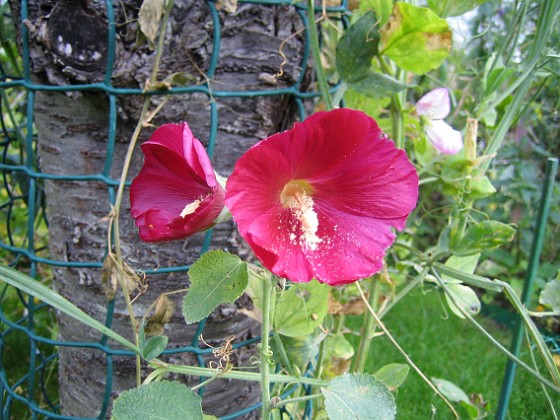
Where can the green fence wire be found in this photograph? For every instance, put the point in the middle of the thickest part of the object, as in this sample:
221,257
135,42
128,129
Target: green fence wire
21,198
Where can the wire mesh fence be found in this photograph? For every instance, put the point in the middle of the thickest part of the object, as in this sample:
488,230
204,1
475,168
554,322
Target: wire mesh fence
31,389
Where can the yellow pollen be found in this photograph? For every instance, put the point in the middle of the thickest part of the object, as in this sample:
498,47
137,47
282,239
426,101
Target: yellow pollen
191,207
296,195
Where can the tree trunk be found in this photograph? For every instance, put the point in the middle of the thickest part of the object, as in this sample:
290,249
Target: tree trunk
68,45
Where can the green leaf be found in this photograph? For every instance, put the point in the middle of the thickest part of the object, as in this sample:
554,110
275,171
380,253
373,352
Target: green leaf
157,401
446,8
484,236
550,295
338,346
216,278
481,187
154,346
301,309
392,375
31,286
358,396
450,391
465,264
377,85
382,9
415,38
357,47
300,350
465,297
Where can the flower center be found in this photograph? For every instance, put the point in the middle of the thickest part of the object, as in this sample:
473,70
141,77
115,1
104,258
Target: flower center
190,208
297,196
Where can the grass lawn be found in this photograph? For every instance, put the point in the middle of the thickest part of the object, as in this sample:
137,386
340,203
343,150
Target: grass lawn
450,348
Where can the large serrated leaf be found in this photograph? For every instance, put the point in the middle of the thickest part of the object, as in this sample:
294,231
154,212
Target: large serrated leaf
158,400
301,309
358,396
216,278
484,236
357,47
415,38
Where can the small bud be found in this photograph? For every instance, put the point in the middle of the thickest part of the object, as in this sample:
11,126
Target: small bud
470,139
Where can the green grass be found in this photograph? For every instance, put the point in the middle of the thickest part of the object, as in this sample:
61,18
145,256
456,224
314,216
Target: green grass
446,347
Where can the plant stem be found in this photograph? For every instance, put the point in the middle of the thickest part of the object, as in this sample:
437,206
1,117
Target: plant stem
399,348
297,400
114,227
265,350
164,368
316,52
368,327
283,354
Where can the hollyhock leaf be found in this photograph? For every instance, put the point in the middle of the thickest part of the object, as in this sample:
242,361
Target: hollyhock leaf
392,375
415,38
443,137
434,105
357,47
484,236
176,194
376,85
319,201
465,297
216,278
358,396
301,309
148,402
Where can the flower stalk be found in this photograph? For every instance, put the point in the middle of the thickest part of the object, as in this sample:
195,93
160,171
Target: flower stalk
265,349
316,52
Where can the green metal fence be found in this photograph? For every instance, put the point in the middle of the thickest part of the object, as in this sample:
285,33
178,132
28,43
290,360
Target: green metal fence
24,322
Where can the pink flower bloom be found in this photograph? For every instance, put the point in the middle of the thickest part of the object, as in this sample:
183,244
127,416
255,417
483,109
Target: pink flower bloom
435,106
176,193
319,201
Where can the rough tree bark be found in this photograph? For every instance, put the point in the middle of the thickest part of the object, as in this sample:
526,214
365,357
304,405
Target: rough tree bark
68,45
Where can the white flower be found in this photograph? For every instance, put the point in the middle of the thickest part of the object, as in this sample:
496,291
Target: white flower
435,106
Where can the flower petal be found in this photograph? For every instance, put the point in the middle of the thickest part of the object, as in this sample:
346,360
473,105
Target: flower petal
443,137
175,195
435,105
354,187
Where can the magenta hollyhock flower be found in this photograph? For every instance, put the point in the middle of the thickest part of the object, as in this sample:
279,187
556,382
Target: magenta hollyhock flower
320,200
435,106
176,194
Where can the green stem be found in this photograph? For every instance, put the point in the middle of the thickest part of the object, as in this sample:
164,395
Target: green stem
499,286
316,52
297,400
115,228
283,354
368,327
417,280
165,368
403,353
265,350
